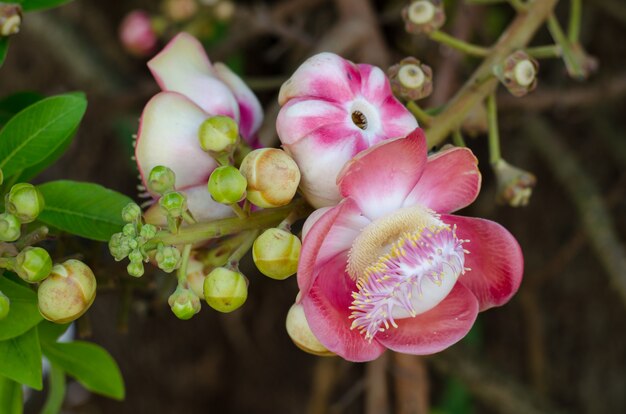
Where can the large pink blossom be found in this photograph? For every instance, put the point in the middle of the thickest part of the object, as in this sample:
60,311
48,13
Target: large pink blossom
193,90
331,110
390,267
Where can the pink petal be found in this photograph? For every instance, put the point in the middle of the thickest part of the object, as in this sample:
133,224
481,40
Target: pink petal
397,120
380,178
183,66
435,330
326,76
250,110
312,219
451,181
495,259
326,306
300,117
168,135
375,86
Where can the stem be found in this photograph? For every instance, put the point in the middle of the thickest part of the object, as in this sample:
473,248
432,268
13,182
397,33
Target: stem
188,217
242,249
519,5
182,270
7,263
544,52
494,134
33,237
238,210
573,64
453,42
56,392
575,17
419,113
457,139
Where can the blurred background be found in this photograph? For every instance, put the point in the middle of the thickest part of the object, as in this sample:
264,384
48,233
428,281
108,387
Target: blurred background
558,346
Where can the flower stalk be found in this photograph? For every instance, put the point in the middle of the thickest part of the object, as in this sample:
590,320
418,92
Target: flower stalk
458,44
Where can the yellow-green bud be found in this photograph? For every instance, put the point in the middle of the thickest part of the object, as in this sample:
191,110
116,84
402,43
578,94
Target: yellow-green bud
301,334
272,175
184,303
173,203
227,185
423,16
167,258
135,269
276,253
33,264
118,246
148,231
24,201
68,292
161,180
218,135
5,306
10,19
225,290
10,227
131,212
136,256
195,277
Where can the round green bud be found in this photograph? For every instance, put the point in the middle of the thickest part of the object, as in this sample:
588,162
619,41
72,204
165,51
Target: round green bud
173,203
24,201
118,246
218,134
131,212
33,264
135,269
129,230
225,290
5,306
184,303
227,185
301,334
68,292
167,258
276,253
135,256
10,227
148,231
161,180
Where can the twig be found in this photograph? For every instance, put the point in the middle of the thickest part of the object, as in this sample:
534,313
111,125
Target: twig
377,397
411,384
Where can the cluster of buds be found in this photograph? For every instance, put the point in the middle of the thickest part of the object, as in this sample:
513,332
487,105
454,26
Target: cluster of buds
23,205
518,72
10,19
514,185
410,79
423,16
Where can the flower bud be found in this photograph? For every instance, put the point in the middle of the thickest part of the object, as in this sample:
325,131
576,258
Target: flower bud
180,10
33,264
195,277
10,227
173,203
225,290
423,16
219,134
148,231
586,64
136,256
227,185
410,79
137,34
272,176
10,19
25,201
514,185
68,292
129,230
518,73
5,306
184,303
131,212
161,180
118,246
135,269
301,334
276,253
167,258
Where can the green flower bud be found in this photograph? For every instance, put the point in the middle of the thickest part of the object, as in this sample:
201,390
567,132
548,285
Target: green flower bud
227,185
184,303
118,246
301,334
410,79
129,230
68,292
161,180
131,212
5,306
272,175
173,203
218,134
10,227
148,231
195,277
135,269
24,201
515,186
423,16
136,256
276,253
167,258
33,264
10,19
225,290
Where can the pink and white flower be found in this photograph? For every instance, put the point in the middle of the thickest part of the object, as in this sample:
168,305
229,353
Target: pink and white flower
193,90
390,267
331,110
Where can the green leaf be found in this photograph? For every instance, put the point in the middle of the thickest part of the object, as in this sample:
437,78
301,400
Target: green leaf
4,49
20,359
56,391
10,396
32,5
35,133
23,314
50,332
90,364
84,209
12,104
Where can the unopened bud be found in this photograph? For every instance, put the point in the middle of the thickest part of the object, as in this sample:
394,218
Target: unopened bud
224,10
24,201
161,180
423,16
5,306
136,256
184,303
301,334
148,231
180,10
225,290
227,185
135,269
219,134
10,227
582,65
515,185
10,19
167,258
118,246
195,277
129,230
276,253
137,34
68,292
131,212
173,203
410,79
272,175
33,264
518,73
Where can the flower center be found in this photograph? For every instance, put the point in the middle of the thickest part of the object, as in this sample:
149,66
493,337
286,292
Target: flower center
525,72
359,119
411,76
421,12
365,116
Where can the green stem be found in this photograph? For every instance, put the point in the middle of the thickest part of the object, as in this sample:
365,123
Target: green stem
458,44
419,113
519,5
238,210
494,134
575,17
569,58
457,138
33,237
189,219
56,392
182,270
545,52
242,249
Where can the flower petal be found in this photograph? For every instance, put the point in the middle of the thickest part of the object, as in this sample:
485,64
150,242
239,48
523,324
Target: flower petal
435,330
374,85
326,306
397,120
183,66
495,260
451,181
168,135
300,117
326,76
380,178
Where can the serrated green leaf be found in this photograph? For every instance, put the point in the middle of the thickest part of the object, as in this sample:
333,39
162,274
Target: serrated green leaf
32,5
10,396
4,49
23,313
36,132
20,359
84,209
12,104
90,364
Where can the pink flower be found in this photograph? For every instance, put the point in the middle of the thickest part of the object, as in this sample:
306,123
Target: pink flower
136,33
332,110
389,267
193,90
